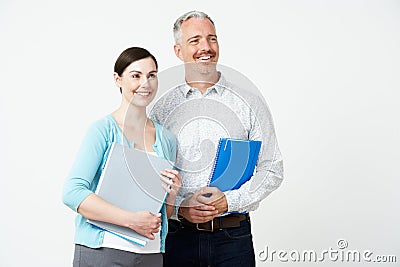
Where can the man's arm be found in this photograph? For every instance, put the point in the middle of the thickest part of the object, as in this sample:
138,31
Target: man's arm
269,170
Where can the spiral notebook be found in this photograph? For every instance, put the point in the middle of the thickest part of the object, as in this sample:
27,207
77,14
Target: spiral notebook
234,163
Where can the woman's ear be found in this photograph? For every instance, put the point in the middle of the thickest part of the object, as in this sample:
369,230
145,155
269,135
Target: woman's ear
117,80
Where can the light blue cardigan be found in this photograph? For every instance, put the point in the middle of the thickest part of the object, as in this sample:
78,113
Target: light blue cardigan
86,170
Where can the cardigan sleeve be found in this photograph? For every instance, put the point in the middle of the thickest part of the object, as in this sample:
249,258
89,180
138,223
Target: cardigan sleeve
79,183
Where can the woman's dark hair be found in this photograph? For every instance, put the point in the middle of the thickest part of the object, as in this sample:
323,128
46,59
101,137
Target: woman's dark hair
130,55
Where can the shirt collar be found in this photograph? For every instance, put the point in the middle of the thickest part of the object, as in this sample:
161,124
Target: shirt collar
219,86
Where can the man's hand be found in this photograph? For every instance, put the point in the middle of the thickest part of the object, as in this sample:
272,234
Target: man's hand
195,211
212,196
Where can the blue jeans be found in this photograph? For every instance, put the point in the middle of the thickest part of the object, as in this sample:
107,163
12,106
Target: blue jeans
225,247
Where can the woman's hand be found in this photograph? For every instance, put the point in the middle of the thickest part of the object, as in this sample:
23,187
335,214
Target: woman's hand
143,222
173,182
146,223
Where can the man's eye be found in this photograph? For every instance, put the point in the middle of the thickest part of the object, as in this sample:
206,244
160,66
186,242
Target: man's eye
194,41
135,76
213,39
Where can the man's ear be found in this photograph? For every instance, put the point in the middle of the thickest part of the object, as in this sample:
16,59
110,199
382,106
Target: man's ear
178,51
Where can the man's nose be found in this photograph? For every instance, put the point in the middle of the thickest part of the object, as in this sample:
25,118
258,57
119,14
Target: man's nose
205,45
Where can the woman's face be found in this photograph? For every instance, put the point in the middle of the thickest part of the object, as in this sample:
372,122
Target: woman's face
139,82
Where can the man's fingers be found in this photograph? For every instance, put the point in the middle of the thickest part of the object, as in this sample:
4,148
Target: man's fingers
207,195
196,205
203,213
201,207
205,199
200,219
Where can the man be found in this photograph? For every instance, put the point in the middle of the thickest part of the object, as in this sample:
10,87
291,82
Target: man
210,227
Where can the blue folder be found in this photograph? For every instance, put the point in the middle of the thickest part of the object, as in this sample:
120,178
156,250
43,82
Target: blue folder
234,163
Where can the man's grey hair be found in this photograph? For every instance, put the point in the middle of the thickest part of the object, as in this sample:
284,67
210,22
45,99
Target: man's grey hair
185,17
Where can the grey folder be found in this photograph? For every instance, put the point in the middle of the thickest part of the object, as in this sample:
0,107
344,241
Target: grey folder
131,181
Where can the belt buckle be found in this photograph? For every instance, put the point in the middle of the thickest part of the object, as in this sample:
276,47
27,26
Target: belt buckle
206,230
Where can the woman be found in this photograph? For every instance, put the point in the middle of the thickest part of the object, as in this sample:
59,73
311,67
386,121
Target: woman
135,73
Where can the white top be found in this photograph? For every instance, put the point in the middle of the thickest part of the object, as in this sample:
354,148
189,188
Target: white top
112,241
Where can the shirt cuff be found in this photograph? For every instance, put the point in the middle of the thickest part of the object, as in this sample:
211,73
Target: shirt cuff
232,198
178,203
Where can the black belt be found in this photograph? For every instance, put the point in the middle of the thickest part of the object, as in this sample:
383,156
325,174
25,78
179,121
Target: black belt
218,223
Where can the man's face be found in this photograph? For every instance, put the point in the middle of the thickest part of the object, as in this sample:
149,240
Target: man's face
198,42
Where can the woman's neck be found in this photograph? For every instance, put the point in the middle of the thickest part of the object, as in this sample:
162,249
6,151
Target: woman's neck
129,116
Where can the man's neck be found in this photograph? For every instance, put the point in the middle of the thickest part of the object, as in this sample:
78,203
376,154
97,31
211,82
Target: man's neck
202,81
201,75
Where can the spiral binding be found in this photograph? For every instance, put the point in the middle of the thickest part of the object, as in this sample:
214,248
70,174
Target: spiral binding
216,159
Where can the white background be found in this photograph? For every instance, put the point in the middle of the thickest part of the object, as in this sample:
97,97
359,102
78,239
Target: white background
329,71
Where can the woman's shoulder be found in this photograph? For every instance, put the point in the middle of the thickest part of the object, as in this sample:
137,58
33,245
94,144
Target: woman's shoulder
103,126
105,122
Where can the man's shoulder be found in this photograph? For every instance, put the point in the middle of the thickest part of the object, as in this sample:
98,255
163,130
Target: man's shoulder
172,95
248,95
167,102
240,86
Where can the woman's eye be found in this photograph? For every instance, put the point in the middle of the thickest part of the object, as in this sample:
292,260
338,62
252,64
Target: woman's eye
135,76
153,75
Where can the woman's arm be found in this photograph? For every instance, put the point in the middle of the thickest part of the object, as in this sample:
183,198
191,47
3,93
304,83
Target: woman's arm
79,186
144,222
